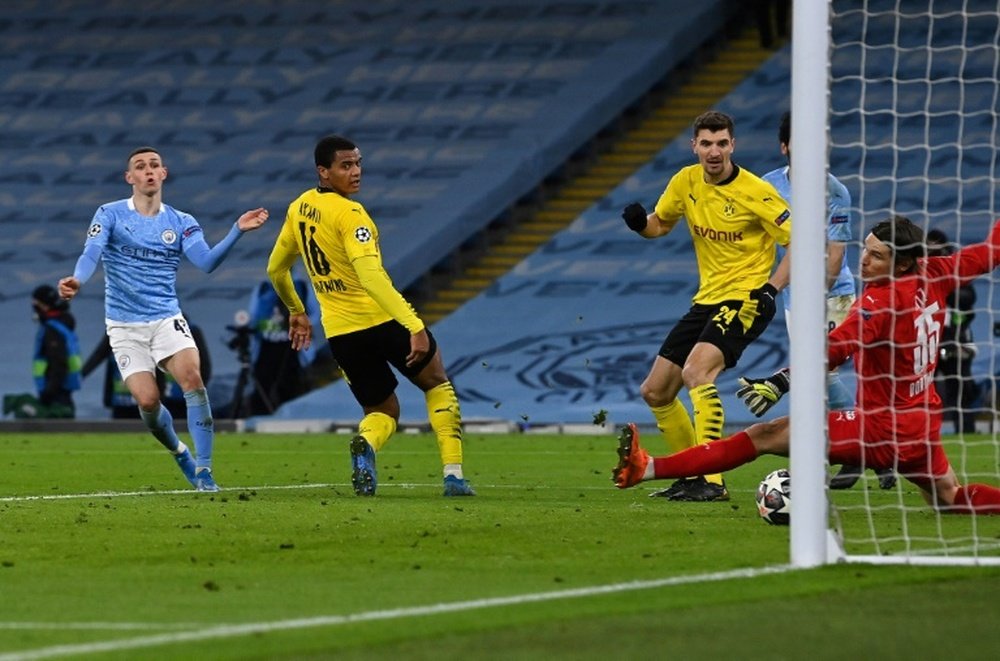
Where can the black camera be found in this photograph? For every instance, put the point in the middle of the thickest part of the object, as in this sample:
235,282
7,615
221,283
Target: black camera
240,341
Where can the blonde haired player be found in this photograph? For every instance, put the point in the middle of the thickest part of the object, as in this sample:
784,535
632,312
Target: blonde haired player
140,240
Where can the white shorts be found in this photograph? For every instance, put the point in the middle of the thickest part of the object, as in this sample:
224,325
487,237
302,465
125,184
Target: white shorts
143,346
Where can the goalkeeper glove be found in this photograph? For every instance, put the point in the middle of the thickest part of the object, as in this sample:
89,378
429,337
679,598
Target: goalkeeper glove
635,217
760,395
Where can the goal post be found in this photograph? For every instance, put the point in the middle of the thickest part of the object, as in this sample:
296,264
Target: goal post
807,454
898,99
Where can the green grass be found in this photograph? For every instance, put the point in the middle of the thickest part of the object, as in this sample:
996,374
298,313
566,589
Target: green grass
288,540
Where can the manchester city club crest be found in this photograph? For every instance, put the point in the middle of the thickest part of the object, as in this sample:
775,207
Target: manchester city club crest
169,237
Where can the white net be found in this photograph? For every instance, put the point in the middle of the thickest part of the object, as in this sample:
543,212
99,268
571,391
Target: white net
914,131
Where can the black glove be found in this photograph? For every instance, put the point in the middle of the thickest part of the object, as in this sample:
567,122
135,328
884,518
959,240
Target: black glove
635,217
765,296
760,395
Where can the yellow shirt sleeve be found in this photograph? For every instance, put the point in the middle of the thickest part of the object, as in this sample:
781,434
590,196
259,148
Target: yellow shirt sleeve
378,285
279,269
671,205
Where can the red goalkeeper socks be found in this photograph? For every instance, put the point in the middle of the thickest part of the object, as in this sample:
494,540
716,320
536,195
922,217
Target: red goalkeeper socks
712,457
978,498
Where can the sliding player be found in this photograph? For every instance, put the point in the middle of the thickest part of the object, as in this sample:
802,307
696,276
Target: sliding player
898,420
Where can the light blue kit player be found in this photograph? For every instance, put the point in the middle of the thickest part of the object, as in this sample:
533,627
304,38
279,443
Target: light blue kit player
840,295
839,280
141,240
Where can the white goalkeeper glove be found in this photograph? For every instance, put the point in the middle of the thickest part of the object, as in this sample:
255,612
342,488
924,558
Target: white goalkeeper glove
760,395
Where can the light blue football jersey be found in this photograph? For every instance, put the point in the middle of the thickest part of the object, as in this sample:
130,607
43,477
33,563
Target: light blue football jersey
838,225
141,255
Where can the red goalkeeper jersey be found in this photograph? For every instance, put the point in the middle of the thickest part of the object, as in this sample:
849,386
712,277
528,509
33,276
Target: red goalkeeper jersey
894,329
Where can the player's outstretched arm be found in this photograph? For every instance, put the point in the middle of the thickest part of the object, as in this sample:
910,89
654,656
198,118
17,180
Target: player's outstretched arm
647,225
208,259
252,219
759,395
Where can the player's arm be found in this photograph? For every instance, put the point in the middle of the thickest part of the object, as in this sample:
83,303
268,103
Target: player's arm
279,271
100,229
377,283
208,259
834,258
668,210
648,225
782,274
838,232
85,267
975,260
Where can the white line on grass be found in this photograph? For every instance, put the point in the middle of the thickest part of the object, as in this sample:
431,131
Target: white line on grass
252,628
95,626
279,487
168,492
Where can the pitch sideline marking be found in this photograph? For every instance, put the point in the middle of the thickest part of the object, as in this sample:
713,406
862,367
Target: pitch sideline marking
94,626
272,487
236,630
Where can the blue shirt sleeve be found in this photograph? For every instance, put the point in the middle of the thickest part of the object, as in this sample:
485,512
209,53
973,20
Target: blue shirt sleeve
208,259
97,238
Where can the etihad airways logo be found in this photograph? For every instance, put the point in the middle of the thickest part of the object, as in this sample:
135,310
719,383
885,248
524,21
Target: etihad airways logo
716,235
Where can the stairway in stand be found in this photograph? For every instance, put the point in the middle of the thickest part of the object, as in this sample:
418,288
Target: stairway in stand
665,114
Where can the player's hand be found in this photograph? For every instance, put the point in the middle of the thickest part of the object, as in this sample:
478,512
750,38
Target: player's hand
68,287
300,331
420,344
760,395
766,296
635,217
252,219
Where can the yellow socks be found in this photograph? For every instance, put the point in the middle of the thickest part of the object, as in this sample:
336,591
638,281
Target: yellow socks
709,418
377,428
674,423
446,420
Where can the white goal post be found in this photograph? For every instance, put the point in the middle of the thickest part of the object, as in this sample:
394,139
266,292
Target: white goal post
912,128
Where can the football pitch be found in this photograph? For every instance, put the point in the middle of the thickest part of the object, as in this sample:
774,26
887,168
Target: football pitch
105,553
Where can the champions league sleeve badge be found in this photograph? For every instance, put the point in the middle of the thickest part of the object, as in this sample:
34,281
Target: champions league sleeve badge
363,235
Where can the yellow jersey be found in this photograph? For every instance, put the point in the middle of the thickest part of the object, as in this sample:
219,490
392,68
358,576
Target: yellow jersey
330,232
735,226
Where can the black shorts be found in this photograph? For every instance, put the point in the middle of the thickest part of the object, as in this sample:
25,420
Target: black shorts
365,356
718,324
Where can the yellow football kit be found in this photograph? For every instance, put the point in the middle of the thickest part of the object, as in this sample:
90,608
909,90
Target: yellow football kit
734,226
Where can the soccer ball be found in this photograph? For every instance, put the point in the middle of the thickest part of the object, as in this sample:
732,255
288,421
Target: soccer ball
774,497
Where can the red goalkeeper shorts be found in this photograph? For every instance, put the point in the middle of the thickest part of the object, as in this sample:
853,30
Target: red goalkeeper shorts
908,441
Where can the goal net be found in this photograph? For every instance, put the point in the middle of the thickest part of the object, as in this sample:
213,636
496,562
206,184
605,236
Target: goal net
913,130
